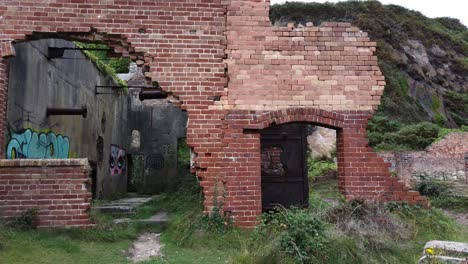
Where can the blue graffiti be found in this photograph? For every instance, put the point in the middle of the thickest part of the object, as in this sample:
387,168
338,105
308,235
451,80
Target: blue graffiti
31,145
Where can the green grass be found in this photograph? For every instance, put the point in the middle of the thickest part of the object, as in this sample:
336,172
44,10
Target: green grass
386,134
104,244
42,247
454,203
327,189
355,232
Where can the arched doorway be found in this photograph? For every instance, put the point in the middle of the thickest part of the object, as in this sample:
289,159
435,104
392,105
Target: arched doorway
284,166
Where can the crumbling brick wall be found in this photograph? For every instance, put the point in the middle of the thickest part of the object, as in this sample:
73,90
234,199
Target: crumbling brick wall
57,188
454,145
444,160
235,74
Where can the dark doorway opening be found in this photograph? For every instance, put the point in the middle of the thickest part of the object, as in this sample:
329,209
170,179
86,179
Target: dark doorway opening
284,166
93,165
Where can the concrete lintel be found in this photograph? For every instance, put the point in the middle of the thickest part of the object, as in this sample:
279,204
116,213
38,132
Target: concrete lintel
43,162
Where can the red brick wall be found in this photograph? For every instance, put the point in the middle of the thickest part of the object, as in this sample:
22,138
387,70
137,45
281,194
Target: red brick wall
330,67
223,59
362,174
57,188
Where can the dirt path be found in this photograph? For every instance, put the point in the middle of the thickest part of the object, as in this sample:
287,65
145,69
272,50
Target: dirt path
148,245
461,218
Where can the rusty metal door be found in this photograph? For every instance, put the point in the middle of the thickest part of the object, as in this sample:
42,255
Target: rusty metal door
284,166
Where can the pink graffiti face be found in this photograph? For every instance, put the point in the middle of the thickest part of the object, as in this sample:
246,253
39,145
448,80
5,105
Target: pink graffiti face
117,160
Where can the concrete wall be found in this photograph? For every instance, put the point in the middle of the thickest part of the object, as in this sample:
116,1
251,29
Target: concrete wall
160,125
37,83
104,136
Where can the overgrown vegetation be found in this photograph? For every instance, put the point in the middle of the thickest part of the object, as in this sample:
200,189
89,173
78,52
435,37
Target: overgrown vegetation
354,232
110,66
25,221
456,104
386,134
183,153
319,166
441,195
103,244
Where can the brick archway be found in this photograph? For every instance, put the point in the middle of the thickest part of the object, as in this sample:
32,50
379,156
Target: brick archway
320,117
361,172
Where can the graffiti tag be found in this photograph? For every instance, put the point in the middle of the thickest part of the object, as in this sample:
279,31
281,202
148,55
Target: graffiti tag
33,145
117,160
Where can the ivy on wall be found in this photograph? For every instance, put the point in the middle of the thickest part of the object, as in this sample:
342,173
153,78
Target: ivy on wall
110,66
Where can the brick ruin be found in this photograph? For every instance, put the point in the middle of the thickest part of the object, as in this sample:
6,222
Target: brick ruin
235,74
56,188
445,160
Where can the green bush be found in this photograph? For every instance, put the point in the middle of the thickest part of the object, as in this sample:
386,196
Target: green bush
382,124
301,234
318,167
461,64
431,188
26,220
120,65
418,136
443,132
389,135
183,153
440,194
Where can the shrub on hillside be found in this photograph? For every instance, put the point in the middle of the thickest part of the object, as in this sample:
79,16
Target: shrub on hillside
418,136
389,135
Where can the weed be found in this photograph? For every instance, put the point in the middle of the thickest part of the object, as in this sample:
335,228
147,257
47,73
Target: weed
318,167
101,60
26,220
431,188
217,220
440,194
452,202
291,232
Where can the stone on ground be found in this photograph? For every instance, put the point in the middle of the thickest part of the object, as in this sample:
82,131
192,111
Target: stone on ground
159,218
445,252
126,205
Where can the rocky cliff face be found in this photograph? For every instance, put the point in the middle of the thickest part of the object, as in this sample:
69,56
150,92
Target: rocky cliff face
322,142
424,60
